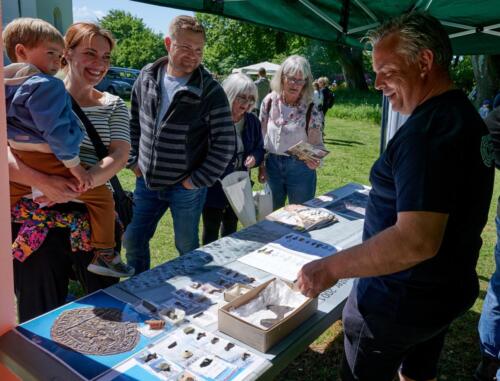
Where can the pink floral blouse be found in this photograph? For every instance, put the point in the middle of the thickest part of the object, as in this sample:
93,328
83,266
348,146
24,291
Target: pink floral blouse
285,125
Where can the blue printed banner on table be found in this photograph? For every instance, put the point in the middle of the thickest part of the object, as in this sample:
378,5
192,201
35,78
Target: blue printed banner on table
38,331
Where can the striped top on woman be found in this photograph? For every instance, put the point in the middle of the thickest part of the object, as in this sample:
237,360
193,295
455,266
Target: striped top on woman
111,120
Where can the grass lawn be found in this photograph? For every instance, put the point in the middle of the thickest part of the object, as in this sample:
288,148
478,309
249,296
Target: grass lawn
354,146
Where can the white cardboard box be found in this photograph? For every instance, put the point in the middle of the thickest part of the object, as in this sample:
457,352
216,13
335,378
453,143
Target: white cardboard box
258,338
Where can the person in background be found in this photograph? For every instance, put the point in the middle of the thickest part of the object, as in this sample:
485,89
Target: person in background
318,102
317,96
182,141
217,213
416,266
263,87
485,108
489,323
496,101
288,116
328,95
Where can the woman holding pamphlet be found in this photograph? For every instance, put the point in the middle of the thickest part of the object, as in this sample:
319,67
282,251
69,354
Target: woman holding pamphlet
290,118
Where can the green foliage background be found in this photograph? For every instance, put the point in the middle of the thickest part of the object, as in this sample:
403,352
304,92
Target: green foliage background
137,44
232,44
462,73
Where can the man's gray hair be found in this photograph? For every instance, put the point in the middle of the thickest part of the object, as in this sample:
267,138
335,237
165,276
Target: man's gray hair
417,31
291,66
239,84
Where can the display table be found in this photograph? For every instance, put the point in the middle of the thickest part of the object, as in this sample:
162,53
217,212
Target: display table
29,362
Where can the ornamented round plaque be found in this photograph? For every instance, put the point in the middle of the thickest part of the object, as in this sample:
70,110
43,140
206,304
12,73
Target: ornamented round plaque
95,331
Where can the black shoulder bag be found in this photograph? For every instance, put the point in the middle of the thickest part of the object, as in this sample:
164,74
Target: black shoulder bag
123,199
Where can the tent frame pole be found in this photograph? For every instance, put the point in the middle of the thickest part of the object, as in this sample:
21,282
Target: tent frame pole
321,14
367,10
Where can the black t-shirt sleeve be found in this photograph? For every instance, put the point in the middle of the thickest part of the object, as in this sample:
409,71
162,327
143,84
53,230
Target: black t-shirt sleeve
426,166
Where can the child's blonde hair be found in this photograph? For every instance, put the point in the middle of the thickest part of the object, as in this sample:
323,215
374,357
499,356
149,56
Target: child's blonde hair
29,32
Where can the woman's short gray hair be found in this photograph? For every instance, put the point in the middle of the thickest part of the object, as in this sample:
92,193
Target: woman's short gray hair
417,31
239,84
291,66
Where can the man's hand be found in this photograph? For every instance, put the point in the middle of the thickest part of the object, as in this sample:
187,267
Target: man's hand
186,183
312,164
57,190
84,178
262,174
249,161
314,278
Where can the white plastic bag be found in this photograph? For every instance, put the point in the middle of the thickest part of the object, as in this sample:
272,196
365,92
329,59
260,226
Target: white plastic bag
238,190
263,202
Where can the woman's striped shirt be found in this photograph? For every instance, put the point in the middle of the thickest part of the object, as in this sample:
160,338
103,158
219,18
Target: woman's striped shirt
111,120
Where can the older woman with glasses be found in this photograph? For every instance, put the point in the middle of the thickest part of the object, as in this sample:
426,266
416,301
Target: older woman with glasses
288,116
217,213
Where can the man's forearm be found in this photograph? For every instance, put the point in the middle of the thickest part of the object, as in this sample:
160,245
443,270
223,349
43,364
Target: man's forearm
414,238
386,253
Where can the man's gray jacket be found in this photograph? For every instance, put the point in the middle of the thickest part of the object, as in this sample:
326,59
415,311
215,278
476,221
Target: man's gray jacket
195,138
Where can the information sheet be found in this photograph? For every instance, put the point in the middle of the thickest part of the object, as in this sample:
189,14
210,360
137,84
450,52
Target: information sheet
286,256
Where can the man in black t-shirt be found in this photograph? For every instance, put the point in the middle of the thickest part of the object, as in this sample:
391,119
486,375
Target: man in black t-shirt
431,191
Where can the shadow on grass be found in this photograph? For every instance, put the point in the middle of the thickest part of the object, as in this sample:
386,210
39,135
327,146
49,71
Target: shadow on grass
460,354
484,278
345,143
458,361
318,362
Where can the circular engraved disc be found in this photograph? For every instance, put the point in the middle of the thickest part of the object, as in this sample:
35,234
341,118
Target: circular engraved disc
95,331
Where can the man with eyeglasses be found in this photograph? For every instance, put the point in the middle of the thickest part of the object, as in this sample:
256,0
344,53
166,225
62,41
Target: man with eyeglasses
182,139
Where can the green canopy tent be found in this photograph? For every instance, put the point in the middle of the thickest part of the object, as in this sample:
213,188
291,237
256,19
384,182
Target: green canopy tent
473,25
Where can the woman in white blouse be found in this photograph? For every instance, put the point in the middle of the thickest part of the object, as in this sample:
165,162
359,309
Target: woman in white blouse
288,116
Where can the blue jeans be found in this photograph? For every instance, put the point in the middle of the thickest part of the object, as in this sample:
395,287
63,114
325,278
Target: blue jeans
149,206
290,177
489,323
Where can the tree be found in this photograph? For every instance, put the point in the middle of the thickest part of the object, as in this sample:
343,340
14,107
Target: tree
487,76
351,60
462,73
232,44
136,44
